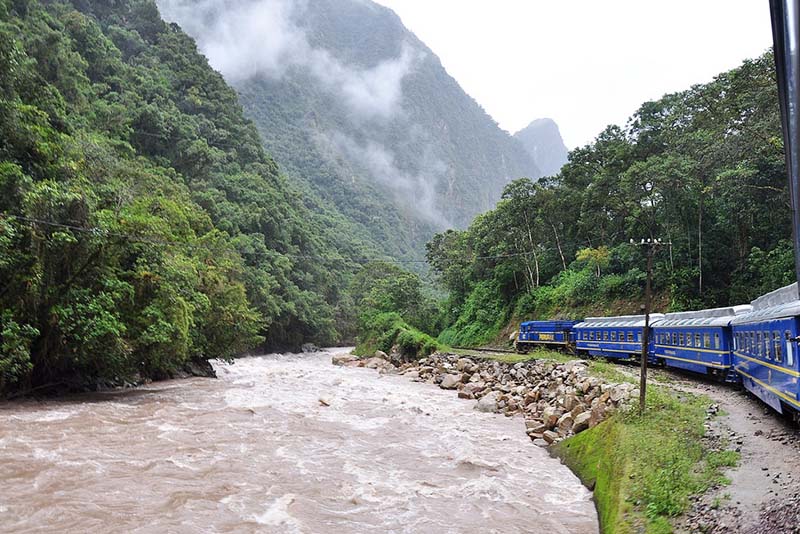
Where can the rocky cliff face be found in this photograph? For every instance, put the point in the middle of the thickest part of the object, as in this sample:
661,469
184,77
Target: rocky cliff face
358,110
543,141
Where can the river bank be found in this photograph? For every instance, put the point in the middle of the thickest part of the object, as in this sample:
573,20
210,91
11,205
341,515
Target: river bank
644,469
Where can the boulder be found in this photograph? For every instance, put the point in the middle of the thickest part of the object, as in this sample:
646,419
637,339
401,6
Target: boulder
550,437
463,364
598,414
532,425
581,422
564,423
344,358
619,392
450,381
475,387
381,354
488,403
376,363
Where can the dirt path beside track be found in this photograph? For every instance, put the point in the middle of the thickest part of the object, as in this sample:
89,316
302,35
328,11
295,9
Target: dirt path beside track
764,494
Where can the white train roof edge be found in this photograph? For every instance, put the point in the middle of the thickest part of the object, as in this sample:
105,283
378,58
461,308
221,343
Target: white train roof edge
778,304
713,317
620,320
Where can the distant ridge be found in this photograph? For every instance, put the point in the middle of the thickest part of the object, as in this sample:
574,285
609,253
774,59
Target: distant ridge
542,139
355,108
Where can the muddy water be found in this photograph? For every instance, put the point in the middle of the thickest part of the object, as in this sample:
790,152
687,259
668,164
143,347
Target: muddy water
256,451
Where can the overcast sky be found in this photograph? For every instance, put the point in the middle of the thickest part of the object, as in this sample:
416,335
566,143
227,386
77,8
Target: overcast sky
584,63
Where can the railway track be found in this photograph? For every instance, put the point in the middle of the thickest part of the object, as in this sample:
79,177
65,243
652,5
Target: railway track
487,349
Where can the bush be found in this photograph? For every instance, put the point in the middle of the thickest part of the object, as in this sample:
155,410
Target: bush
382,331
15,345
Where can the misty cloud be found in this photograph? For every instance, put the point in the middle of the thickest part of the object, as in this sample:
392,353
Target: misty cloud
414,190
249,38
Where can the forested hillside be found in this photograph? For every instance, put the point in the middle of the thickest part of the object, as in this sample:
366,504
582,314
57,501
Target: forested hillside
142,225
701,169
360,112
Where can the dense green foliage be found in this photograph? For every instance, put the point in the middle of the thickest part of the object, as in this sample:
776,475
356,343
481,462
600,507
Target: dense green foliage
141,223
394,311
702,169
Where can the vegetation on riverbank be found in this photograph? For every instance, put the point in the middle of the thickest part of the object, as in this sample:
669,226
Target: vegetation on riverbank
643,468
142,225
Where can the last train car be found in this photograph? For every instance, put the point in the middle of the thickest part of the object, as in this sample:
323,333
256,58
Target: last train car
698,341
554,334
612,337
765,349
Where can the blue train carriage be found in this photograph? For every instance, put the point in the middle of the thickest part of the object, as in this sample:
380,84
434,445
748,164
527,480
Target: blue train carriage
698,341
765,350
613,337
547,334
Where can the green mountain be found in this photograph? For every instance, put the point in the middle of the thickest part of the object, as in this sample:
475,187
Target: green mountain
359,112
142,224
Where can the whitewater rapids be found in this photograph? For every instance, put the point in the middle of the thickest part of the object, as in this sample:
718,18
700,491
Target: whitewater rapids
279,443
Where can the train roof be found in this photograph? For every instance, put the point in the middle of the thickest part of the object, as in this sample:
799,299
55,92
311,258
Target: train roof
711,317
554,323
620,320
783,302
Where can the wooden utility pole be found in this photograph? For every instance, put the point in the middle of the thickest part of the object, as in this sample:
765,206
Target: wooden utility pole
651,245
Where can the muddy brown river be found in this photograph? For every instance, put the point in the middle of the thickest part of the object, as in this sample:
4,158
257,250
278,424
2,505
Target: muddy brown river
256,451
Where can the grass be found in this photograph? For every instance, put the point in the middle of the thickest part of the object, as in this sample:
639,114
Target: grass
644,468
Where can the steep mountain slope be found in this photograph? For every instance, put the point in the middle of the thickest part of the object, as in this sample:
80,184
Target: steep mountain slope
542,139
354,106
142,225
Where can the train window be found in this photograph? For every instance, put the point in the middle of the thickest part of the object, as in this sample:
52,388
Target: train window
759,345
767,346
689,342
630,337
674,338
707,341
605,335
789,351
716,340
750,344
639,337
613,335
777,351
697,340
680,338
591,335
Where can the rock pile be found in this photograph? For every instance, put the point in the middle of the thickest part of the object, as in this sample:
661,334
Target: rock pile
557,400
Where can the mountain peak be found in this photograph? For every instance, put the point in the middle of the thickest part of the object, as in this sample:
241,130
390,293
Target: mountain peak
542,139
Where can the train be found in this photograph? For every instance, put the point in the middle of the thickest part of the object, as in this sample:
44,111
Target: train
753,345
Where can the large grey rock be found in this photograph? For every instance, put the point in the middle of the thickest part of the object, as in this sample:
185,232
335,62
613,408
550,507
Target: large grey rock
488,403
564,423
581,422
450,381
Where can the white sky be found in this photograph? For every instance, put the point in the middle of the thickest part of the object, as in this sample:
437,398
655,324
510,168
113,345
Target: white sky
583,63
